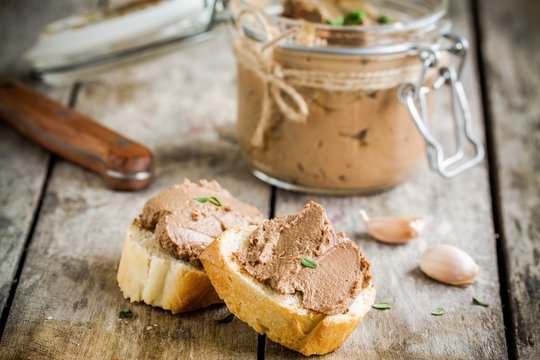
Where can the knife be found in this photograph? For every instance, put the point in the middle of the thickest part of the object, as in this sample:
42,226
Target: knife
123,163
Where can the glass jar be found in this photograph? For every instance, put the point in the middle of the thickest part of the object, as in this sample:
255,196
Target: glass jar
327,109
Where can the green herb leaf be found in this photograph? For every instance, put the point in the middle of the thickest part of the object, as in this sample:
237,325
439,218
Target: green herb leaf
214,200
355,17
338,22
478,302
438,311
384,19
125,313
226,319
383,305
308,263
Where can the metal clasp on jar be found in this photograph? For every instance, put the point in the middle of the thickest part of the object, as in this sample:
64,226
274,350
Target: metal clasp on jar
414,97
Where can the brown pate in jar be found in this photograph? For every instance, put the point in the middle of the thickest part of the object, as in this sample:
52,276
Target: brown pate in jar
356,137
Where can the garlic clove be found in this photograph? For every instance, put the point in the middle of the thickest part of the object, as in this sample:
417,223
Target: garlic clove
393,230
449,265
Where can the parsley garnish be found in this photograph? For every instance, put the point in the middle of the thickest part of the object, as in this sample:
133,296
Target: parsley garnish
226,319
478,302
355,18
125,313
212,199
308,263
438,311
384,19
338,21
383,305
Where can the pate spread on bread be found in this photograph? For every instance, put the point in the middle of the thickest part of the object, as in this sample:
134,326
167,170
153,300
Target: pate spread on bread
293,278
277,247
185,220
160,258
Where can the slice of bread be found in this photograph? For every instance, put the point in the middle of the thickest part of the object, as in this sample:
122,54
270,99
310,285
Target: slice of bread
281,317
150,274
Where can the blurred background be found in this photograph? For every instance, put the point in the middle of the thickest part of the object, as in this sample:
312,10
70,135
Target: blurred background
22,20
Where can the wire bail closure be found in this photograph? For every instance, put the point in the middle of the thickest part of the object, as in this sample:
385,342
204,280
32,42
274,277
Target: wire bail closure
414,96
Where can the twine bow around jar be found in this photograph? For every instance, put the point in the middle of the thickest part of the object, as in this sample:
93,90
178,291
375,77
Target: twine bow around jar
255,57
258,57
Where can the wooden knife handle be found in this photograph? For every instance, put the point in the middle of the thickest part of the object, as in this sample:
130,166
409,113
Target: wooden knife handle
124,164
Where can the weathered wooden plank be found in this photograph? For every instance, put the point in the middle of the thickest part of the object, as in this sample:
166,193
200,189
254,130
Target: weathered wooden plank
23,164
68,301
459,213
511,50
24,167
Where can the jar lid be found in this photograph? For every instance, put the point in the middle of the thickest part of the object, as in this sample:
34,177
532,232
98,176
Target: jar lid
89,43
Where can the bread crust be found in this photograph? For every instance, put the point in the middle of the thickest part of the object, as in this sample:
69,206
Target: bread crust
276,315
148,273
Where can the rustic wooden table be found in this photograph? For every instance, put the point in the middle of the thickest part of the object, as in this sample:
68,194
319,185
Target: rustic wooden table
61,230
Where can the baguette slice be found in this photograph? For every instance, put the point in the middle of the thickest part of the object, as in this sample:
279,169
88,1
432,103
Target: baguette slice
281,317
150,274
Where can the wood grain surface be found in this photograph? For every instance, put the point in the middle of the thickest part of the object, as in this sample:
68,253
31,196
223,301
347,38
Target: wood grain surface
183,107
23,165
458,212
67,302
23,171
512,63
